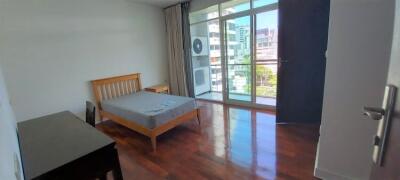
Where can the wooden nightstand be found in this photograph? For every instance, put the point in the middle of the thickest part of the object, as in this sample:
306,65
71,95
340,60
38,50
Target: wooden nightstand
158,89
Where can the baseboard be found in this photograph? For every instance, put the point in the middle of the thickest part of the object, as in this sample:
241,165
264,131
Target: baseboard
326,175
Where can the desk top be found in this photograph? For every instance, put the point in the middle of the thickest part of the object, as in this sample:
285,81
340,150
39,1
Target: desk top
52,141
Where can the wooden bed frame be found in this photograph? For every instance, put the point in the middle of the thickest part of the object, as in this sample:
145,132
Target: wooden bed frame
113,87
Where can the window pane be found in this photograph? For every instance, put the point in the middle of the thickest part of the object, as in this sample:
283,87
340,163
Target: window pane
204,14
259,3
206,57
266,57
267,36
239,82
266,82
215,56
234,6
238,40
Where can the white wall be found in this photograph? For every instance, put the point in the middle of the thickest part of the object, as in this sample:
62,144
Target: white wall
359,45
9,147
51,49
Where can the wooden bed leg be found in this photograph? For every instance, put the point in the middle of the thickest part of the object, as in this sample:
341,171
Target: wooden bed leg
154,142
100,116
198,116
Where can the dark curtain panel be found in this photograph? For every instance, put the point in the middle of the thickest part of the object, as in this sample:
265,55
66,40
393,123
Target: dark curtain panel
187,52
303,37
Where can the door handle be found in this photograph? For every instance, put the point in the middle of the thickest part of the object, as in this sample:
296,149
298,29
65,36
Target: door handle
280,60
374,113
384,116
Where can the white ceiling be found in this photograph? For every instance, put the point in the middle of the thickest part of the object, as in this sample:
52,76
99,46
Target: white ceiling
160,3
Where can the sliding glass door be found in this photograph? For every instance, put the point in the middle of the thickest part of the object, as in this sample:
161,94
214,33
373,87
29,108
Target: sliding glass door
235,47
238,59
266,57
250,53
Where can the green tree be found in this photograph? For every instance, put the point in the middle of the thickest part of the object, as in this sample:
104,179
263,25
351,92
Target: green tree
265,77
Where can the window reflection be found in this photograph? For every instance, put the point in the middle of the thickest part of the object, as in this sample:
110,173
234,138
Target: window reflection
266,145
240,137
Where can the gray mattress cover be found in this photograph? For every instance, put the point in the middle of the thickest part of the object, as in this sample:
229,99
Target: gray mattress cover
149,109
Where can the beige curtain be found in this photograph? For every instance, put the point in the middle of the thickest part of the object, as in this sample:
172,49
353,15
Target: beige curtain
177,77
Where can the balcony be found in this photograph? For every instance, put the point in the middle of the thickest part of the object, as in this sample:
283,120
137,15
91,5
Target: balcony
217,96
239,82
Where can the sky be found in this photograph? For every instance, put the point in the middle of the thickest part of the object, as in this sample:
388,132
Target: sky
266,19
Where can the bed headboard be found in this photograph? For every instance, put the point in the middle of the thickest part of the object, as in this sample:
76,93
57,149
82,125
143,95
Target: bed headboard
112,87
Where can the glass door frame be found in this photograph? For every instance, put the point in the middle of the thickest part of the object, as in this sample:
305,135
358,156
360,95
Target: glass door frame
224,49
252,13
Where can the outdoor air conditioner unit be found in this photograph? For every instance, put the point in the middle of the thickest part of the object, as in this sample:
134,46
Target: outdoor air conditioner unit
201,80
199,46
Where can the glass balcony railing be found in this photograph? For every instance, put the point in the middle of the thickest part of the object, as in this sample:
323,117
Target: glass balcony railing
239,78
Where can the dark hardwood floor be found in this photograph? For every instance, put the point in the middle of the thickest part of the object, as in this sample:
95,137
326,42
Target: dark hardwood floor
232,143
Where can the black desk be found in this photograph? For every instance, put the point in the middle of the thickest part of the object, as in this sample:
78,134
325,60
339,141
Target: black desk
61,146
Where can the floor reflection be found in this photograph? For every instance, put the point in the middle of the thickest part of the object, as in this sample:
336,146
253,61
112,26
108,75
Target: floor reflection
232,143
265,145
251,140
240,137
246,149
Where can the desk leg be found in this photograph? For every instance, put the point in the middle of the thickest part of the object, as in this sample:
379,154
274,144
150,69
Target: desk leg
117,174
103,177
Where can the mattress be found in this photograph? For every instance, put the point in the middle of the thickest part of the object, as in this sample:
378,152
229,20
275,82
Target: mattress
149,109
